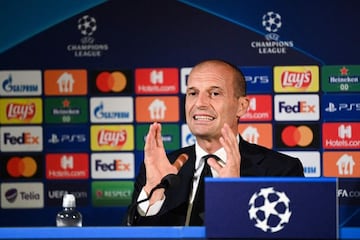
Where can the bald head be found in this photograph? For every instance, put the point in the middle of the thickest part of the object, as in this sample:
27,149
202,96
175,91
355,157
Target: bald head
236,75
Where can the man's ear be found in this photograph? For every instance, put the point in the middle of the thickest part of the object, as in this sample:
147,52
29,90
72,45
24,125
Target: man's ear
243,106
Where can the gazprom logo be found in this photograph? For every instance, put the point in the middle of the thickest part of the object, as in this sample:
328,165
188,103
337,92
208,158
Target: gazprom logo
112,109
20,83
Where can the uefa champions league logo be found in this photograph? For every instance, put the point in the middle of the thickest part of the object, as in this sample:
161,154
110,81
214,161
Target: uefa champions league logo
87,25
269,209
271,21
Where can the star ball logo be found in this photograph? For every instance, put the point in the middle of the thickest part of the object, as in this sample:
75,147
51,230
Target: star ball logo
272,23
269,209
87,26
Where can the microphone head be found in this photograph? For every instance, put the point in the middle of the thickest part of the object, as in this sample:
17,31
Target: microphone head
170,180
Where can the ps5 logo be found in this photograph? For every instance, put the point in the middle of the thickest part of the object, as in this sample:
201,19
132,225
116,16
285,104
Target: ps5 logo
348,107
67,138
257,79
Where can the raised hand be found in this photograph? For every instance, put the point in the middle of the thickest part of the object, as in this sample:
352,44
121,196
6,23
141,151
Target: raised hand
232,166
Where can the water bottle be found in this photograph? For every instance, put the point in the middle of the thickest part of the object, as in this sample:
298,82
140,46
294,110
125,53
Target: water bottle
69,216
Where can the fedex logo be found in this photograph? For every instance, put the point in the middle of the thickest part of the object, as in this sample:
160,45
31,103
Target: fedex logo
112,165
290,108
18,139
299,107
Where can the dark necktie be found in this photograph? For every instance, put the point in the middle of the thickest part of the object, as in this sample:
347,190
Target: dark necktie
198,209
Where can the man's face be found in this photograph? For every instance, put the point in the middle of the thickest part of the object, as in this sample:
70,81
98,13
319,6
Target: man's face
210,101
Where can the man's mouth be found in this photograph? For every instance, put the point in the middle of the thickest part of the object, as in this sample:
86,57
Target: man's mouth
203,118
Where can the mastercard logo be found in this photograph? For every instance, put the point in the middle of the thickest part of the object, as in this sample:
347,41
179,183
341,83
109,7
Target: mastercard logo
297,136
21,167
111,82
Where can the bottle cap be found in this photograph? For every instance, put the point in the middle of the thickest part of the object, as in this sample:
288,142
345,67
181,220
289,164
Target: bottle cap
69,200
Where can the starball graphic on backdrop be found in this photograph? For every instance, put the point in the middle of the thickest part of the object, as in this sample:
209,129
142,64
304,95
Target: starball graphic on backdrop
87,46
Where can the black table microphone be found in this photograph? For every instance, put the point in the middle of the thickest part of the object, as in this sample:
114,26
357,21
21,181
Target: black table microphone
168,181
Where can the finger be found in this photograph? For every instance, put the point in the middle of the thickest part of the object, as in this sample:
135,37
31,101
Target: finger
149,140
180,161
214,164
158,137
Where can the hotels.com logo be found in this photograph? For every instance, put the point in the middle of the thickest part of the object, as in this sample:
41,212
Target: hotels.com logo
260,108
157,81
344,135
296,79
67,166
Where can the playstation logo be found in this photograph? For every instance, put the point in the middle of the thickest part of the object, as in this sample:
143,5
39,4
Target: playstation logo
331,107
54,139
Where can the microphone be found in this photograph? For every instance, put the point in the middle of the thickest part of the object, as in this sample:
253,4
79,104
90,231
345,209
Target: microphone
170,180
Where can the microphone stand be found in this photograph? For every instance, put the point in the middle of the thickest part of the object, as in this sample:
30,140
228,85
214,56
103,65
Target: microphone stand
166,182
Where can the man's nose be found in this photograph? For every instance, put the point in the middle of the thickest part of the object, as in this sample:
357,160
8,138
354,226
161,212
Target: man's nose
203,99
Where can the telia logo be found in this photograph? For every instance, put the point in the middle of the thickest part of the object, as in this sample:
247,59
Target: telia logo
296,107
22,195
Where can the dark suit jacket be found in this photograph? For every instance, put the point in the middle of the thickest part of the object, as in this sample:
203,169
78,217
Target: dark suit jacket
255,161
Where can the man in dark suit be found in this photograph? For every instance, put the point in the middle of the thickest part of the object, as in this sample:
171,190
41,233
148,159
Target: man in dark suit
215,100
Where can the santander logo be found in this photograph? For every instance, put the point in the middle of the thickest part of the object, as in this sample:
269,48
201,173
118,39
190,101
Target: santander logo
296,79
20,111
112,138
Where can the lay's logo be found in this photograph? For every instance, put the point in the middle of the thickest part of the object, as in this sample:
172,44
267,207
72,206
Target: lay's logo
20,111
296,79
112,137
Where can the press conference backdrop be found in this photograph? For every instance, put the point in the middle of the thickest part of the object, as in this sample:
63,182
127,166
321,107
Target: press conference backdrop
82,80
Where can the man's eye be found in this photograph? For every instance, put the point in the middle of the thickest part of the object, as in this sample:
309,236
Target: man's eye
191,93
214,94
